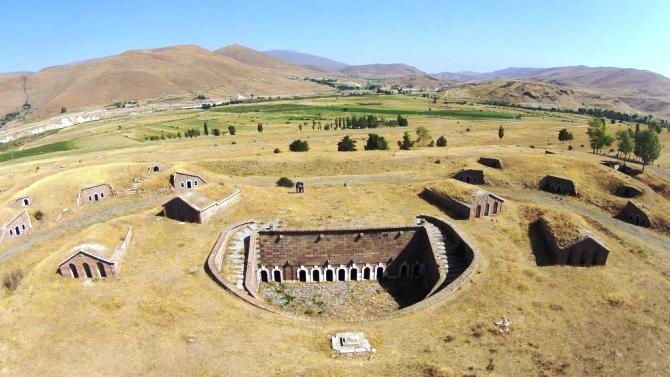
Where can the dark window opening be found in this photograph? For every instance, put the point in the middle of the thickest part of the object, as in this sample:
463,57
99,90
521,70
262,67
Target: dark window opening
380,273
101,270
366,273
73,270
87,270
264,276
403,271
316,276
329,275
341,274
353,274
302,275
276,275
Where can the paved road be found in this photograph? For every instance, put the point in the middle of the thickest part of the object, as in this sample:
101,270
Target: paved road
105,214
644,236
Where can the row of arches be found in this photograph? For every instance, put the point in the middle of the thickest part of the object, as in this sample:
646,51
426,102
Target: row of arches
340,273
87,272
96,197
17,230
189,183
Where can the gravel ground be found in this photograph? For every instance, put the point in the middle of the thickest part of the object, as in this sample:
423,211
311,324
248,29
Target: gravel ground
342,300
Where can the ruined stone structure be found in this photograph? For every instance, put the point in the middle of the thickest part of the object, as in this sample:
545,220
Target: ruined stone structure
432,252
491,162
193,207
584,250
89,262
634,214
346,254
627,191
156,167
17,226
476,204
185,180
558,185
473,176
352,342
94,194
23,201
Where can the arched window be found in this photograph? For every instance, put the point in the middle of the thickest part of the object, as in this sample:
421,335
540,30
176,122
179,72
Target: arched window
330,275
316,275
156,168
17,230
380,273
416,270
276,276
87,270
195,182
73,271
96,197
26,201
102,195
264,276
403,270
486,210
188,184
302,275
366,273
353,274
101,270
342,274
181,184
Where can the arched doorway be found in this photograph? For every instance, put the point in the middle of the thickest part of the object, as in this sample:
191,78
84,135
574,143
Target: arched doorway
330,275
366,273
73,271
302,275
316,275
87,270
101,270
96,197
156,169
353,274
379,273
403,271
26,201
486,209
17,230
264,276
188,184
416,270
276,275
341,274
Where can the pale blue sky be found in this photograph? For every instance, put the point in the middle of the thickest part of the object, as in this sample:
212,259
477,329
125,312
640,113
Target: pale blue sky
433,35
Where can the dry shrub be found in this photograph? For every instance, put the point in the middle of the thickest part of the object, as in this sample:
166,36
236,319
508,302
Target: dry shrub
12,279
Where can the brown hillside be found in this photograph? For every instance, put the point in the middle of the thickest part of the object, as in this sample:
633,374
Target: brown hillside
139,74
381,70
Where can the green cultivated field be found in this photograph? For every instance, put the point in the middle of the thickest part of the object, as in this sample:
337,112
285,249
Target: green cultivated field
43,149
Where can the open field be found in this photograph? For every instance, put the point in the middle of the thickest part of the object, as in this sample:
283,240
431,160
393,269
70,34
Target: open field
165,315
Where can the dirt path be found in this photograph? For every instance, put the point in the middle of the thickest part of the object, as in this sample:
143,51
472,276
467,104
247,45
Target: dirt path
644,236
108,213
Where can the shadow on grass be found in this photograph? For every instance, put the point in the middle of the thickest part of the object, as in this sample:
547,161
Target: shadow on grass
541,251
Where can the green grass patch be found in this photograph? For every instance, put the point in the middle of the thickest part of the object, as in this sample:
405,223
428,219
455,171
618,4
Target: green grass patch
319,110
43,149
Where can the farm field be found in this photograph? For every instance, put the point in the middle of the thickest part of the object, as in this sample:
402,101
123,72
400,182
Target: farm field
166,316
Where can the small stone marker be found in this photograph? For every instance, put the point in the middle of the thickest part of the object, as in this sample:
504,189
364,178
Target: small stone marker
351,343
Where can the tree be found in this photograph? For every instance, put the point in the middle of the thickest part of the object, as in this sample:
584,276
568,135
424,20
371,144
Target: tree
565,135
625,143
285,182
648,148
441,141
402,122
501,132
423,137
206,129
216,132
376,142
300,127
346,145
598,134
299,146
260,128
232,130
406,143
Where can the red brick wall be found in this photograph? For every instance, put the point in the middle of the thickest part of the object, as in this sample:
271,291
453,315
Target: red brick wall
340,247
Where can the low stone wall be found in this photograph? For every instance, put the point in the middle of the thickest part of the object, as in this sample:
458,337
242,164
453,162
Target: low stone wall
251,261
459,209
120,251
214,262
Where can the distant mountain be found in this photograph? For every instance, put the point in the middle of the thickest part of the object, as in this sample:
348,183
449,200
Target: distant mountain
308,60
184,70
381,70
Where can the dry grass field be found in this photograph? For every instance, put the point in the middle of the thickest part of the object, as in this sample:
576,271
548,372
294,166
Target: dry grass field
165,316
